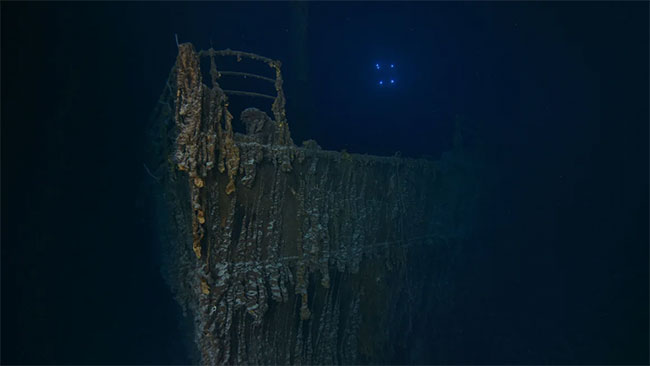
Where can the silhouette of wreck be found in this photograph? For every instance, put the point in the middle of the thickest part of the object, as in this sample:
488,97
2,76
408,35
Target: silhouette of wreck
286,254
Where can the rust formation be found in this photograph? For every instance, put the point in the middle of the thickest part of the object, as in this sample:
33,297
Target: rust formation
286,254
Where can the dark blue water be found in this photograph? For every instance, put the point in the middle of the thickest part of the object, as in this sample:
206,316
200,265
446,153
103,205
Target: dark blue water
556,96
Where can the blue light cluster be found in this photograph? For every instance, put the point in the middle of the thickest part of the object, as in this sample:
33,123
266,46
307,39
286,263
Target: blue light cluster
386,74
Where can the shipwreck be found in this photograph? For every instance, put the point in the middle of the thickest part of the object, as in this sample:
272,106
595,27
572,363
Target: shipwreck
287,254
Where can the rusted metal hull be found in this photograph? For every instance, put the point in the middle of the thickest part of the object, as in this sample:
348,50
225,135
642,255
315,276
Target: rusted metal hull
297,255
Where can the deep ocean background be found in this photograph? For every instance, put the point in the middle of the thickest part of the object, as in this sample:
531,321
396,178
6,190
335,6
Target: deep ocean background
556,93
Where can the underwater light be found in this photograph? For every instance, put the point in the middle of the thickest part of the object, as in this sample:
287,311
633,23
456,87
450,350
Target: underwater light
386,75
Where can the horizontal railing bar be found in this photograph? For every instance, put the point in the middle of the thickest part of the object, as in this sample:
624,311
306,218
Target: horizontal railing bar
248,94
246,74
239,54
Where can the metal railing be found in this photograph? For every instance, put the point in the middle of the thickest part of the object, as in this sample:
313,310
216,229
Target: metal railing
217,74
